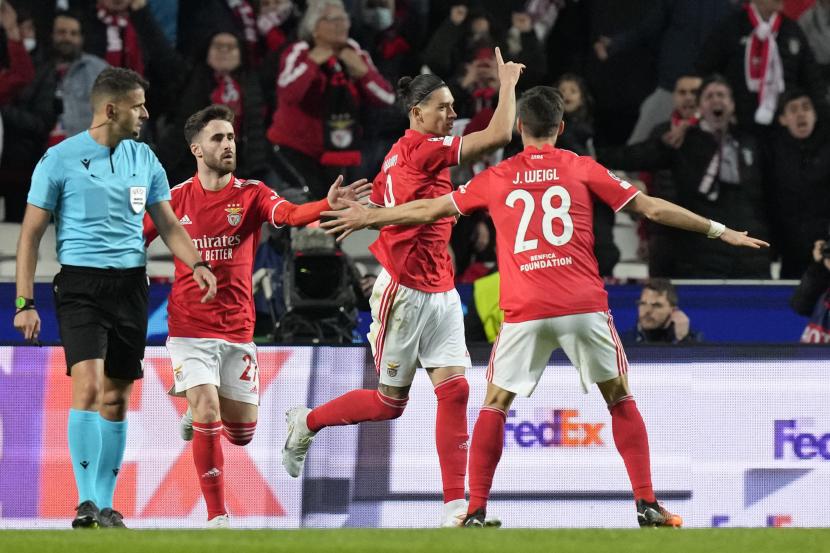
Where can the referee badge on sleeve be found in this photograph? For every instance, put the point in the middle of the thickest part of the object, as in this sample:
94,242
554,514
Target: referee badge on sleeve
138,198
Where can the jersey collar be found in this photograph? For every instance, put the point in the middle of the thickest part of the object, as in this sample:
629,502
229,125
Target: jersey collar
547,148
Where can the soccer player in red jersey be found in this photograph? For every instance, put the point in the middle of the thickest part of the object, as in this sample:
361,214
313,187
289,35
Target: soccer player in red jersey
211,345
416,312
541,204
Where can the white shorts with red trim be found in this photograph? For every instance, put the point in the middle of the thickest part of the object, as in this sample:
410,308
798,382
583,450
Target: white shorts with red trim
411,329
522,351
231,367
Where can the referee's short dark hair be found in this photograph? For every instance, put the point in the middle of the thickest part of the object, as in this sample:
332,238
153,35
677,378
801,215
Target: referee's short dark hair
540,109
199,120
115,82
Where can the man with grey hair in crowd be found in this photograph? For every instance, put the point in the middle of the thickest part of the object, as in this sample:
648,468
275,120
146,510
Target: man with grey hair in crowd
324,80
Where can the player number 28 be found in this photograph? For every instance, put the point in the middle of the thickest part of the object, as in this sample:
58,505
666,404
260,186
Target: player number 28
550,213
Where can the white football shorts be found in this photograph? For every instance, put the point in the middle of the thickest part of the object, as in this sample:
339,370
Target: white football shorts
411,329
522,351
231,367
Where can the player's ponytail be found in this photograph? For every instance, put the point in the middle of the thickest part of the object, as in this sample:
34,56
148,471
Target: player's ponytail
412,92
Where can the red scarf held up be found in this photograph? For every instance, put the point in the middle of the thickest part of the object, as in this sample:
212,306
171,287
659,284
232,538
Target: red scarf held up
228,92
244,13
676,119
763,69
123,48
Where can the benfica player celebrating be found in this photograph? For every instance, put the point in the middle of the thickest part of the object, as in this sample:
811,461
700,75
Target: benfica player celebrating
416,312
211,347
551,292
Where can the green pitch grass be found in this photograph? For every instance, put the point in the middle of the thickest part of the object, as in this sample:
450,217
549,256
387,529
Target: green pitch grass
782,540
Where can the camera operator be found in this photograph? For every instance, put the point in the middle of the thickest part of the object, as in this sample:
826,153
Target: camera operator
812,295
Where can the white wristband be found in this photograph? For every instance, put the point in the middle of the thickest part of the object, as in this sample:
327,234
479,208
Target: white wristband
715,229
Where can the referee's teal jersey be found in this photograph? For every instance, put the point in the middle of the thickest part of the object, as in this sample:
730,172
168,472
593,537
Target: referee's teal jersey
98,196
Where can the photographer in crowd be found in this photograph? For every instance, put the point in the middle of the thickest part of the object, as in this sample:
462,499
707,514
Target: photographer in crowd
812,296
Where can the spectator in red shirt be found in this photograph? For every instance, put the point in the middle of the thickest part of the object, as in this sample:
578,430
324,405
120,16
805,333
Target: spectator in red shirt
324,80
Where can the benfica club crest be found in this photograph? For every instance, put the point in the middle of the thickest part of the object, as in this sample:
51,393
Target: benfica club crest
234,214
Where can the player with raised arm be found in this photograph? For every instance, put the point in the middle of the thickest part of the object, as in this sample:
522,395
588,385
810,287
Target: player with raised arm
211,347
416,312
541,204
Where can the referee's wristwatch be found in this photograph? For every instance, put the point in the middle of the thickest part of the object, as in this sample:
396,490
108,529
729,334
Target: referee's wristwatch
23,304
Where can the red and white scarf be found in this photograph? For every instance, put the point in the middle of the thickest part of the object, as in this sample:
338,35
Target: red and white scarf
228,92
763,69
123,48
244,13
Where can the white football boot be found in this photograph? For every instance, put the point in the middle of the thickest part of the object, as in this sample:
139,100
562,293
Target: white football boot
297,440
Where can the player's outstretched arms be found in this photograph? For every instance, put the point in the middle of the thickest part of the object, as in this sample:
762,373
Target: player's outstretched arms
500,130
672,215
358,216
180,244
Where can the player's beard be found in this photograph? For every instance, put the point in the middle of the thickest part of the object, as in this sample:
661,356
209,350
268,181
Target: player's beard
221,166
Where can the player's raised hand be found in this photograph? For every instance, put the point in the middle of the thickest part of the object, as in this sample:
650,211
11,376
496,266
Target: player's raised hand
206,280
742,239
508,72
346,221
356,191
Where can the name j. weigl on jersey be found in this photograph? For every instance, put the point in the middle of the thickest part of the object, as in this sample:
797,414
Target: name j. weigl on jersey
217,248
536,175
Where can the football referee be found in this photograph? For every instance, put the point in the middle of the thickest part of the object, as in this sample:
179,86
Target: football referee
97,185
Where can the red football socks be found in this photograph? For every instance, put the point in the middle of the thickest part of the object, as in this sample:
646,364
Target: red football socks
631,440
354,407
209,461
239,433
485,453
451,434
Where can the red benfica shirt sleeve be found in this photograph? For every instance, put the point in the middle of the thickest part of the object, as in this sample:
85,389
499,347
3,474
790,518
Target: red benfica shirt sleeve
607,186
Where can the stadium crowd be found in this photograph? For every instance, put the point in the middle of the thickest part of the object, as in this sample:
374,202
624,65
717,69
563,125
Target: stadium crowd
717,105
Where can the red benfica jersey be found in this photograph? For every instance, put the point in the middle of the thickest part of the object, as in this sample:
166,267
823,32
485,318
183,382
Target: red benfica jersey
225,226
417,167
541,202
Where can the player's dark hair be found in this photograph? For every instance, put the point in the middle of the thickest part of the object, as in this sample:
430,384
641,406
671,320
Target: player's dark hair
412,92
540,110
114,83
663,286
714,78
199,120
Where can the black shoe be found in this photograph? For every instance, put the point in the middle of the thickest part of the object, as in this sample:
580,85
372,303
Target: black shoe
474,520
654,515
87,516
110,518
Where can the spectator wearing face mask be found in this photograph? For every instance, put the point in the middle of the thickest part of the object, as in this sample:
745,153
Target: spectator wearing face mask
799,165
391,31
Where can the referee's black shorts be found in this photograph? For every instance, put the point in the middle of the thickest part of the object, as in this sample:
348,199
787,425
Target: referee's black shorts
102,314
